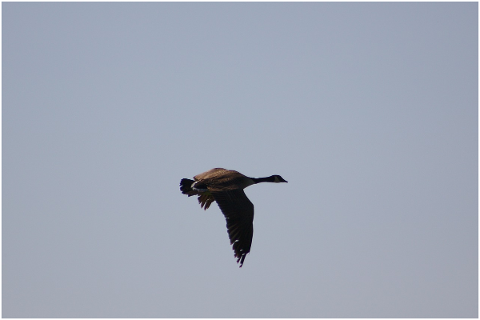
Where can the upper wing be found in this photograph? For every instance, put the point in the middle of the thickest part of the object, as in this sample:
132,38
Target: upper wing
238,211
212,173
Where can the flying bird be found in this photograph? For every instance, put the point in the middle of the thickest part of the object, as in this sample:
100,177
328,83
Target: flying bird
226,188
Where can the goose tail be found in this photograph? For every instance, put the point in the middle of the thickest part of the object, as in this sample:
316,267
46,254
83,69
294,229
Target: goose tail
186,187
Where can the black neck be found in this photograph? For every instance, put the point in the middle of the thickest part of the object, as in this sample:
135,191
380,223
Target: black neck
266,179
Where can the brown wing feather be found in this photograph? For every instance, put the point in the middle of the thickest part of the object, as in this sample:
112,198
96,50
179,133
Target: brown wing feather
212,173
205,200
238,211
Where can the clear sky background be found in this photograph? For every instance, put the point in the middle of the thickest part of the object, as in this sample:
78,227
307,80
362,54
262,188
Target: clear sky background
368,110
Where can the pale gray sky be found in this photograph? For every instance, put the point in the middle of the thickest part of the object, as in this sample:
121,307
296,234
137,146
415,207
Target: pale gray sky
368,110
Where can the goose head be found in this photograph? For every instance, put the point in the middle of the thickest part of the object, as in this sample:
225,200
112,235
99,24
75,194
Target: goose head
277,178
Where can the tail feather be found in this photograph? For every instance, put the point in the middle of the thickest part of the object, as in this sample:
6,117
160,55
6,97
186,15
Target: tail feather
186,187
205,198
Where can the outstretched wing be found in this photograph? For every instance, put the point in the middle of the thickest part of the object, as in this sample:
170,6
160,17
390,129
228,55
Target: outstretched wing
238,211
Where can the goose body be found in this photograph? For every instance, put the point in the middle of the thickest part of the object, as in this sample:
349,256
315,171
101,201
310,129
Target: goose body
226,188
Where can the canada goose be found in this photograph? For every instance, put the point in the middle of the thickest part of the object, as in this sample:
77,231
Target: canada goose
226,187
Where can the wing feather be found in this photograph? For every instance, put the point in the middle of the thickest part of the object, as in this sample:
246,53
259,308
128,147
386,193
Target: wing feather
238,211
